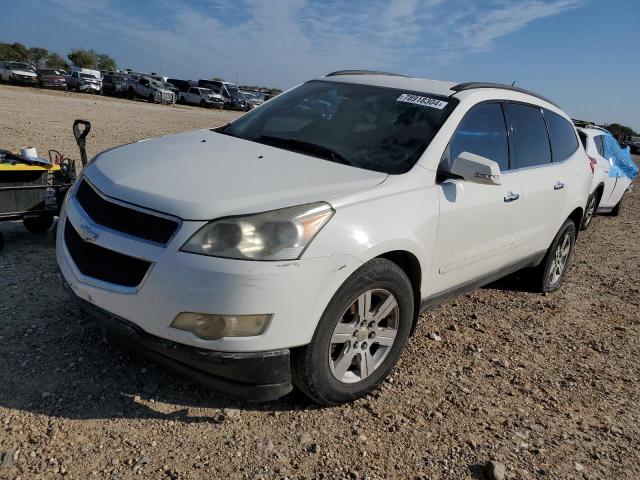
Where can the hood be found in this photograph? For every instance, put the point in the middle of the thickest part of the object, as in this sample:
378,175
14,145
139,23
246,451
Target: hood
202,175
24,72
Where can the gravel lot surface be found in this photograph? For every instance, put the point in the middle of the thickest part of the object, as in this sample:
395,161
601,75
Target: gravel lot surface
548,386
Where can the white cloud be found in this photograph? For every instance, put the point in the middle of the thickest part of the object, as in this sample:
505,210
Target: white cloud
282,42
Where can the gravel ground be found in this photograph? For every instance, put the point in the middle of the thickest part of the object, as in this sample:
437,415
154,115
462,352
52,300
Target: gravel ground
546,385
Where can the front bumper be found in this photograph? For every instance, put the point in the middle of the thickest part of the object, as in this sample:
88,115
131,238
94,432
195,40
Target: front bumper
24,80
255,376
295,293
89,86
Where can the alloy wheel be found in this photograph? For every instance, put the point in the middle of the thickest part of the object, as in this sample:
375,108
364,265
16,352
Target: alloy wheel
561,257
591,209
364,336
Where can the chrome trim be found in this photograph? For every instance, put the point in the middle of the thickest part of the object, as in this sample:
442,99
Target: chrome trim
132,207
95,282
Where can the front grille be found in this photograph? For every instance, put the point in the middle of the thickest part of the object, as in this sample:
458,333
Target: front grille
103,264
123,219
16,201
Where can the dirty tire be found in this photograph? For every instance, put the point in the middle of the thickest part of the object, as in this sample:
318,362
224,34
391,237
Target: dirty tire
542,277
310,364
38,224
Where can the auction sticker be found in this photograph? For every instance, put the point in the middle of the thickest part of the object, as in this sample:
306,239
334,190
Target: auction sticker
424,101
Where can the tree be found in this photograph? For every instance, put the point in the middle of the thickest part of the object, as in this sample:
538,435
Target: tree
82,58
37,55
56,61
218,79
105,62
16,51
617,129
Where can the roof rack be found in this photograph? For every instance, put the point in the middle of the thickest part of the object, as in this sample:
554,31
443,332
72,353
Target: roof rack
362,72
473,85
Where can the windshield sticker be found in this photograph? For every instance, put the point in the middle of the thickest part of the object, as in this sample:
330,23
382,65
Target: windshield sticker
424,101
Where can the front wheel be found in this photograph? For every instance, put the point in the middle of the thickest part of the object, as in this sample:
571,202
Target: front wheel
550,273
360,336
592,205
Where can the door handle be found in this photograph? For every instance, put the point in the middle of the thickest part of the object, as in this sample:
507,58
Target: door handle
510,197
558,186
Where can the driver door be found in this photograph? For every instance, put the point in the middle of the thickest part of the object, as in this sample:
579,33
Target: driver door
476,221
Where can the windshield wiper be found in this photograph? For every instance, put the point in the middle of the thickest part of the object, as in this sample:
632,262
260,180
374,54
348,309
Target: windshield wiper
306,147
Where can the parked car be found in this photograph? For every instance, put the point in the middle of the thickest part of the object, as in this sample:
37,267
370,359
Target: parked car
634,144
233,99
51,78
18,73
114,85
181,85
608,197
201,96
294,247
84,80
150,89
254,98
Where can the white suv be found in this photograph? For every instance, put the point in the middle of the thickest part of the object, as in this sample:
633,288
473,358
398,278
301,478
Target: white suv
607,196
299,244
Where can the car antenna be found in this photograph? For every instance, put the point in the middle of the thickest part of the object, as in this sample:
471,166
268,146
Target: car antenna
512,84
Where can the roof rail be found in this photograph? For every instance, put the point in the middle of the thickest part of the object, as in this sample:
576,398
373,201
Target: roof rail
362,72
473,85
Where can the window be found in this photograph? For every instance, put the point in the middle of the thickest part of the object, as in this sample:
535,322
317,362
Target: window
483,132
599,140
563,136
375,128
194,91
530,137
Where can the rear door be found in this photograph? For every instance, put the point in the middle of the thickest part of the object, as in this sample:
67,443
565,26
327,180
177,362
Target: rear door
476,221
542,181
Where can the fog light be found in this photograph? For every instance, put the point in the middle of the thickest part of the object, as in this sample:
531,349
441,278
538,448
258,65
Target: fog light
211,327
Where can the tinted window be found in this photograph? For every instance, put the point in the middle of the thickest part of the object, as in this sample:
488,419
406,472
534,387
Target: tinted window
599,144
530,137
563,136
483,132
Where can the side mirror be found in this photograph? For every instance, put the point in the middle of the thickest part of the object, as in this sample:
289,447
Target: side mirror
477,169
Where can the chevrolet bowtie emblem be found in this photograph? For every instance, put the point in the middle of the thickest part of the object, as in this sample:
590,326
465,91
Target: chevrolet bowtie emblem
88,234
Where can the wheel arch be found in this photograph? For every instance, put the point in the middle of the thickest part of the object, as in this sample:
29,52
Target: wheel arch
410,265
576,218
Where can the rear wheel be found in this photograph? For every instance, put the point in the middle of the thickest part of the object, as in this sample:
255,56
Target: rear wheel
360,336
151,98
548,276
616,210
38,224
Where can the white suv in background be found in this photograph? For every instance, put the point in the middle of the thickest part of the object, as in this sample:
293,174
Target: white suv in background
607,197
299,243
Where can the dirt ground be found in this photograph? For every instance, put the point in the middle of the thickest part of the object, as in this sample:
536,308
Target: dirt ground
548,385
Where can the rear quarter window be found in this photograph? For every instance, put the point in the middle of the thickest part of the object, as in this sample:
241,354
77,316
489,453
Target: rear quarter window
564,141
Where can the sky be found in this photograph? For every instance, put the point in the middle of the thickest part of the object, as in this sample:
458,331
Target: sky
583,54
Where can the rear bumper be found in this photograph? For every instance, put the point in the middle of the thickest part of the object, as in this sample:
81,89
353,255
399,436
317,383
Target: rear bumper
254,376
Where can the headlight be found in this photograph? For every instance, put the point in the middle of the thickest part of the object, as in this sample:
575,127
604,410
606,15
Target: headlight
275,235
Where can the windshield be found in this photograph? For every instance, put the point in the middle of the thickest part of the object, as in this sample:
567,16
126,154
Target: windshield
375,128
232,89
20,66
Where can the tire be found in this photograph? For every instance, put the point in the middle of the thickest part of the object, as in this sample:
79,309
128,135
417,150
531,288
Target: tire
590,211
1,242
38,224
544,281
151,99
202,103
616,210
316,368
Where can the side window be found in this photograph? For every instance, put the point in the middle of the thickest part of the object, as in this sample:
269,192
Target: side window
563,136
193,91
530,137
483,131
599,144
